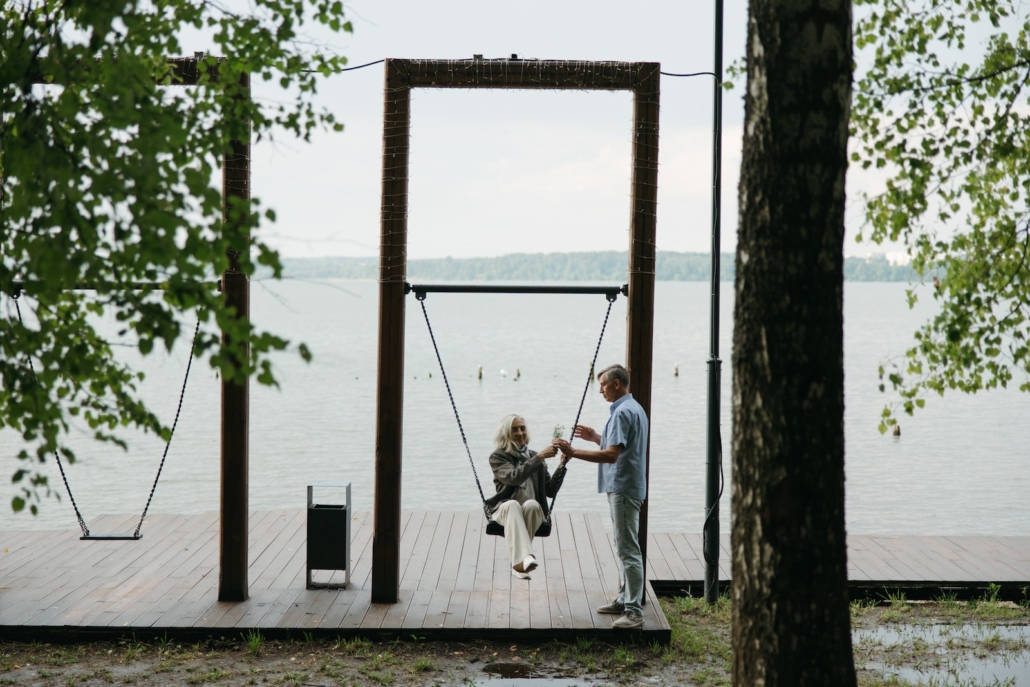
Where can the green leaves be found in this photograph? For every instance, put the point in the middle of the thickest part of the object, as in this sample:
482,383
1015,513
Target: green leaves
110,177
947,118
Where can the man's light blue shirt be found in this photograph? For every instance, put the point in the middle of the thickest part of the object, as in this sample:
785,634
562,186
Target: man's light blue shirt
627,426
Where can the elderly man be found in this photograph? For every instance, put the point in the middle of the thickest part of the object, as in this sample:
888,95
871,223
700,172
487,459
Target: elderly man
621,474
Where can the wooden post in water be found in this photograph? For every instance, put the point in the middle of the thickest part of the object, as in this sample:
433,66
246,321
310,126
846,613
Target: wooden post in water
386,537
232,568
644,202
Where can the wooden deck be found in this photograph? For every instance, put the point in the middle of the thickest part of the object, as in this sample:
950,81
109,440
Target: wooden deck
455,580
921,564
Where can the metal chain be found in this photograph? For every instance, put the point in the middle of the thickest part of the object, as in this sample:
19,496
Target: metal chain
153,488
560,472
422,301
182,394
582,400
57,455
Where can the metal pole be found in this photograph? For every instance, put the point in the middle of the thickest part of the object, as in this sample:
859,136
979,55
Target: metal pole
714,443
612,292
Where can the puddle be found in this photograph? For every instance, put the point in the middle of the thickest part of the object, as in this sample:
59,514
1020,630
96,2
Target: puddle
522,675
968,655
529,682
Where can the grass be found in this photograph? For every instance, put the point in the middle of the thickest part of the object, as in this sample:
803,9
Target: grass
423,665
385,678
201,677
584,643
133,651
359,646
103,674
254,642
700,631
55,657
332,667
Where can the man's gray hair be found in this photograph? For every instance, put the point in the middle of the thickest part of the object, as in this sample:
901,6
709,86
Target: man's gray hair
614,372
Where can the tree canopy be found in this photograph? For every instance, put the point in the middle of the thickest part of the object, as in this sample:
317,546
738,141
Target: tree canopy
108,178
942,111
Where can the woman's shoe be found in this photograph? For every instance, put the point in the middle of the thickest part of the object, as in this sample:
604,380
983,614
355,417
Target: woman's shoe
529,563
520,575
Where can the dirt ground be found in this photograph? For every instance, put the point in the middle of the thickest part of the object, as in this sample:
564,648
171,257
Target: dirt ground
699,654
355,662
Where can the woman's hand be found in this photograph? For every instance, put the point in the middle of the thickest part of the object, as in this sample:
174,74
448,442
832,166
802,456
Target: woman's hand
549,452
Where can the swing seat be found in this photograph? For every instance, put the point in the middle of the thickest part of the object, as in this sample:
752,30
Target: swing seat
496,529
111,537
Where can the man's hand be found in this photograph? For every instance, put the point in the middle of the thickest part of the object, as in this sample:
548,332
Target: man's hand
587,434
608,455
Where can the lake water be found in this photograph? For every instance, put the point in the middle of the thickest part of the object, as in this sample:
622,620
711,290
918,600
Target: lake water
958,468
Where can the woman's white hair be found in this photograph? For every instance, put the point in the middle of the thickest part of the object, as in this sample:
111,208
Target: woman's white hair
502,439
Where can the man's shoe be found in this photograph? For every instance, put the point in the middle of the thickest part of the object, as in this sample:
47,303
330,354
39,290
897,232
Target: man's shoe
614,608
529,563
628,621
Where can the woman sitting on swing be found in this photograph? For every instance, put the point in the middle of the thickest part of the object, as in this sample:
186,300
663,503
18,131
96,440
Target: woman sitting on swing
523,484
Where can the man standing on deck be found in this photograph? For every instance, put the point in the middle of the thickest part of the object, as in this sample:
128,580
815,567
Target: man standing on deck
622,475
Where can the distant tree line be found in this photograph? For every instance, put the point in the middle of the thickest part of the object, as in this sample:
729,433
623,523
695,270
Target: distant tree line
597,266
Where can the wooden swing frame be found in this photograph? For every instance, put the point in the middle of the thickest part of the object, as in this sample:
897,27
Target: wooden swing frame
402,75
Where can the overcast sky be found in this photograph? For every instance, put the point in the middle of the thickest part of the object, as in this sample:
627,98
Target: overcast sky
495,172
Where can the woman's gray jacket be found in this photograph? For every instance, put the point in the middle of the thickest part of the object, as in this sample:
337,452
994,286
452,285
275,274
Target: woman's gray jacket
511,471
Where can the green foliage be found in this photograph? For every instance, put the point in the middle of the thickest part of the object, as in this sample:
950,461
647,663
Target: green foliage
942,111
109,177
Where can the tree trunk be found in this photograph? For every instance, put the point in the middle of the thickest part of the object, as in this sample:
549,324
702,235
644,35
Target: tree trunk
791,625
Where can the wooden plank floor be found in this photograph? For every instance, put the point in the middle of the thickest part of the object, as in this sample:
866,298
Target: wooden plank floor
454,581
887,560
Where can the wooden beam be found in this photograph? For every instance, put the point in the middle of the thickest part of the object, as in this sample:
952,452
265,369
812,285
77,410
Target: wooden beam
532,74
232,569
184,71
644,203
386,536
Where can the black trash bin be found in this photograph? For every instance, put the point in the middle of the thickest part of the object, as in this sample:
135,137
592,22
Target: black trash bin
329,534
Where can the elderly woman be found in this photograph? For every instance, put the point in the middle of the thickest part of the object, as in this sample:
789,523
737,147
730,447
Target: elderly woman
523,484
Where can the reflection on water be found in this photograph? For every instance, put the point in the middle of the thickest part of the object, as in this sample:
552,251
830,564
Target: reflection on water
523,675
957,654
958,467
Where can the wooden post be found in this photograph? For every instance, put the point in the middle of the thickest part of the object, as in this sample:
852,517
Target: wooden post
386,537
232,570
644,202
